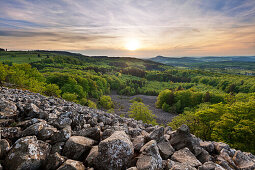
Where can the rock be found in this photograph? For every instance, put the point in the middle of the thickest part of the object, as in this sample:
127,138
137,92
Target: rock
72,165
204,156
219,146
33,129
165,149
210,166
76,146
116,151
54,161
157,134
132,168
186,156
47,132
91,159
62,121
4,148
150,157
62,135
8,107
138,143
222,162
208,146
91,132
243,161
27,153
57,147
182,138
33,110
133,132
225,155
10,132
178,166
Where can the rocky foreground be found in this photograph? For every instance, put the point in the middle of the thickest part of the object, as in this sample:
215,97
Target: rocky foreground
38,132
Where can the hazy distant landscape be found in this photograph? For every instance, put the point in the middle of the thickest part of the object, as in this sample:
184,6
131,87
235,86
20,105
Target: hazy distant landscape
127,84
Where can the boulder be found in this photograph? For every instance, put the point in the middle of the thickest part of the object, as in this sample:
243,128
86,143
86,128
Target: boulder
91,159
115,152
8,107
186,156
72,165
165,149
91,132
75,146
54,161
243,161
62,135
178,166
47,132
4,148
138,142
33,129
27,153
149,157
210,166
157,134
208,146
204,156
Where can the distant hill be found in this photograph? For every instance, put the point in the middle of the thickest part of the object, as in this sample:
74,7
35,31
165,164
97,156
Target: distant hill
221,62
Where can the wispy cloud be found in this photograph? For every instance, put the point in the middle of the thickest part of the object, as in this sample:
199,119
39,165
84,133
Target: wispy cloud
167,27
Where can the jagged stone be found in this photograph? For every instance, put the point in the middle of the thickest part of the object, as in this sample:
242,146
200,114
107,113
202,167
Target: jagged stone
204,156
208,146
219,146
91,132
57,147
8,107
132,168
138,143
243,161
72,165
75,146
186,156
33,129
157,134
165,149
210,166
149,157
116,151
54,161
27,153
4,148
91,159
47,132
182,138
62,135
178,166
10,132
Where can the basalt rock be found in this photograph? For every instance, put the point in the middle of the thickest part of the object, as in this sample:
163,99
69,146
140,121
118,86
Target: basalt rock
39,132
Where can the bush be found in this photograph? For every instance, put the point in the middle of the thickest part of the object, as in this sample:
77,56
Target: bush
136,99
139,111
92,104
52,90
106,102
69,96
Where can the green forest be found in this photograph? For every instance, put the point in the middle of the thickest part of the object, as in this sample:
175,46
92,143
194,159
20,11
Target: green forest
215,105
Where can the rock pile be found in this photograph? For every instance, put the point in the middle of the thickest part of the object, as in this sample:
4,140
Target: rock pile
38,132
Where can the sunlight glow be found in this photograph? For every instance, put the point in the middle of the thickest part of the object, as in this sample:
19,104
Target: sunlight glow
132,45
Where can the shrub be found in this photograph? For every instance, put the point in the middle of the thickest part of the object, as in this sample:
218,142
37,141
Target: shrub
106,102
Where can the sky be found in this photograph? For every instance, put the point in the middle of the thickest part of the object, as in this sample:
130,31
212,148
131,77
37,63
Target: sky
138,28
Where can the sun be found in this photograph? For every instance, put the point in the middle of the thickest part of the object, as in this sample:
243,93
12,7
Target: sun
132,45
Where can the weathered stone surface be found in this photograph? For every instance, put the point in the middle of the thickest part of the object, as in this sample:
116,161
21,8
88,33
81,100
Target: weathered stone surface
208,146
149,157
219,146
62,135
27,153
186,156
243,161
4,148
33,129
182,138
138,143
75,146
91,159
210,166
165,149
10,132
116,151
204,156
91,132
8,107
132,168
47,132
157,134
54,161
178,166
72,165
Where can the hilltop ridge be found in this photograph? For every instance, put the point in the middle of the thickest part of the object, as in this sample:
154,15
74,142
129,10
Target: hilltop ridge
51,133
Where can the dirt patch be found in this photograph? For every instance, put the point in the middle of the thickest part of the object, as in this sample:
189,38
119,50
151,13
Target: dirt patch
122,105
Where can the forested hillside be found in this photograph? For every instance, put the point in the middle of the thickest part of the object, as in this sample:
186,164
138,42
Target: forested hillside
216,105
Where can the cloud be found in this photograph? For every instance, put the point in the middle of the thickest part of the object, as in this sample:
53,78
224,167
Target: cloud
170,27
